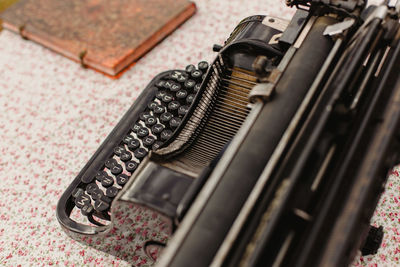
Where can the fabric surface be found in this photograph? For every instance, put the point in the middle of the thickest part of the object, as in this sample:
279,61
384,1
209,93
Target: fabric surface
54,115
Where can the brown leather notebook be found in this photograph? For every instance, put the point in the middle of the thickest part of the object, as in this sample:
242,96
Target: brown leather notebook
107,35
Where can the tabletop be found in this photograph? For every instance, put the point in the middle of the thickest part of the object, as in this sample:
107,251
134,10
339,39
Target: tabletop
54,114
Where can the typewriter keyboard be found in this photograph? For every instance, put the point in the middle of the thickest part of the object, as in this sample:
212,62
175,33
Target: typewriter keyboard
175,93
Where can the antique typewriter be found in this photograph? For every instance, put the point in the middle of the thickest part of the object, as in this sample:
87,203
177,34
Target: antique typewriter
274,154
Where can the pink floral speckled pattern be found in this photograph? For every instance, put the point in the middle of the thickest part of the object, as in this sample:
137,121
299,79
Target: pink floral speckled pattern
54,115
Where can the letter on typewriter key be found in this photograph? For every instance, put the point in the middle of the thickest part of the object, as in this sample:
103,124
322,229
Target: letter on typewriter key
174,122
148,141
131,166
119,150
77,192
133,144
128,138
150,121
136,127
91,187
190,68
181,94
197,87
140,153
142,132
158,128
190,98
160,94
111,192
87,210
166,134
97,193
159,109
107,181
166,117
116,169
189,84
144,115
122,179
196,74
82,200
160,83
157,145
175,87
126,156
110,163
203,66
183,110
174,105
152,105
176,74
167,98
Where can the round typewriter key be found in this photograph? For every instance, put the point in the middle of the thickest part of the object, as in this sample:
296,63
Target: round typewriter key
160,83
136,127
190,98
152,105
182,78
122,179
144,115
183,110
101,205
116,169
158,128
133,144
203,66
127,139
82,200
196,74
107,181
77,192
148,141
174,105
160,94
190,68
175,87
166,117
159,110
97,193
142,132
140,153
99,175
196,88
175,74
181,94
166,134
110,163
156,145
174,122
167,98
87,179
150,121
91,187
189,84
112,192
131,166
168,84
126,156
119,150
87,210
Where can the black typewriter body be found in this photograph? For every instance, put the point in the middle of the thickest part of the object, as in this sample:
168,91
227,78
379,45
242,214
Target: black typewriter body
256,159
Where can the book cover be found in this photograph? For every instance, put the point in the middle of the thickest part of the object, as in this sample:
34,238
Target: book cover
107,35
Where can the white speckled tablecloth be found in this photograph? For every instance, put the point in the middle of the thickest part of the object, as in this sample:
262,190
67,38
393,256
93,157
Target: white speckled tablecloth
54,115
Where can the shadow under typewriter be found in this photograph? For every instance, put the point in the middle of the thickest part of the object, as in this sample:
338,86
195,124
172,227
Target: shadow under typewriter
137,187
